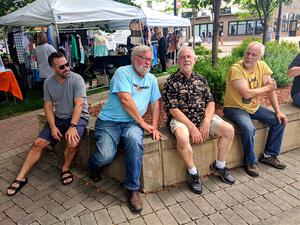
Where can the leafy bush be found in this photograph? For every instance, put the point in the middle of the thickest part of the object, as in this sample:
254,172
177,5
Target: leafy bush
278,57
216,77
202,51
238,51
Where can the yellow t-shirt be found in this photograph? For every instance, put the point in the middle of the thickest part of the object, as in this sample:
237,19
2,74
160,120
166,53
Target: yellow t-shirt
255,80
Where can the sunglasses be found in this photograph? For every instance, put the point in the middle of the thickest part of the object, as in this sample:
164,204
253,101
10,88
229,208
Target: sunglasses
61,67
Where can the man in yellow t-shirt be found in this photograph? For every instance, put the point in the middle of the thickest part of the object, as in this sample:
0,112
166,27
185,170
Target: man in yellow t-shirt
247,80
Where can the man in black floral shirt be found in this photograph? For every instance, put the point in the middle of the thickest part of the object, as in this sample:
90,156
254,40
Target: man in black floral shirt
190,107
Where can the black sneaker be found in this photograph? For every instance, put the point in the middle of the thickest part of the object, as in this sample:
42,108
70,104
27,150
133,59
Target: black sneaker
223,173
194,182
272,161
252,170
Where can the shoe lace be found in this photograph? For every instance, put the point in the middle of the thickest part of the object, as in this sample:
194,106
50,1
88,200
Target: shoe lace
196,178
224,171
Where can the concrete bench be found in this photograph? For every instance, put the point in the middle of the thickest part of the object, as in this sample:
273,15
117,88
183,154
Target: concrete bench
161,164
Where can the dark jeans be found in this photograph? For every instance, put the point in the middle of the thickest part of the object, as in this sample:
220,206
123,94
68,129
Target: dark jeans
296,99
243,120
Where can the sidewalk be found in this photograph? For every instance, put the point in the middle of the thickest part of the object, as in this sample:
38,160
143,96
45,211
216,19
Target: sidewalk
273,198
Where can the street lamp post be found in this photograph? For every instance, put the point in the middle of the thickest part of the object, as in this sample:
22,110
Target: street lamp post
278,27
175,8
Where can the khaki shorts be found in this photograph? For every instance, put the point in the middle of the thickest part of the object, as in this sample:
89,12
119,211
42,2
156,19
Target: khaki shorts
214,124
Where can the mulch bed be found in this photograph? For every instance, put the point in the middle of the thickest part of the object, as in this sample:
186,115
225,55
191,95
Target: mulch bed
283,96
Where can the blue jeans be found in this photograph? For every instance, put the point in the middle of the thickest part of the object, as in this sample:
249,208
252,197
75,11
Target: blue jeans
108,135
296,99
243,120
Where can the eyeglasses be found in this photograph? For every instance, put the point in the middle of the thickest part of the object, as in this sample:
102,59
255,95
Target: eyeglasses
145,59
61,67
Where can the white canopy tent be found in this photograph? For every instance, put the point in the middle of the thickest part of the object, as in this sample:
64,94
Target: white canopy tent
81,12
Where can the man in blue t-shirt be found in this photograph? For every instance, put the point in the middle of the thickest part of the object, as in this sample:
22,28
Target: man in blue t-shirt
132,88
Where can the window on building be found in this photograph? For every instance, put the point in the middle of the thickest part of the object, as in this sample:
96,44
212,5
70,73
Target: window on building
245,27
203,30
226,10
232,28
284,25
250,27
197,31
241,27
259,28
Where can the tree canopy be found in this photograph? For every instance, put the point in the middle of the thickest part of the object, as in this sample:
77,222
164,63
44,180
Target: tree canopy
8,6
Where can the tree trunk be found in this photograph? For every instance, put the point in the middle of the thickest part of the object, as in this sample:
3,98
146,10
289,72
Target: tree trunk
193,27
215,35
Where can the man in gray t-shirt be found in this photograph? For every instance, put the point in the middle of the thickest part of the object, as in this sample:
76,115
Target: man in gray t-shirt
67,115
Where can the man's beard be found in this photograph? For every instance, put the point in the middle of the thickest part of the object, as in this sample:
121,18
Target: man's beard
142,70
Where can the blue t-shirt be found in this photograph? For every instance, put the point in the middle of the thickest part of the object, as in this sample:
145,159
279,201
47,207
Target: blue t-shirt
143,91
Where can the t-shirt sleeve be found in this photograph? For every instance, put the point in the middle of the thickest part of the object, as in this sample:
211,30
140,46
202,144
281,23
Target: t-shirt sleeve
235,73
121,82
79,88
47,96
155,93
295,62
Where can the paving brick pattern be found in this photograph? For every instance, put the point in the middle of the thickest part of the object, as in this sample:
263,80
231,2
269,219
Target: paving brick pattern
273,198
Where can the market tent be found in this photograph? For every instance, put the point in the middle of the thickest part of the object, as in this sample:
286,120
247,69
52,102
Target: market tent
81,12
156,18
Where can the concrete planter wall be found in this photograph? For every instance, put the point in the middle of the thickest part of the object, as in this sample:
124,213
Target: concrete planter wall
162,166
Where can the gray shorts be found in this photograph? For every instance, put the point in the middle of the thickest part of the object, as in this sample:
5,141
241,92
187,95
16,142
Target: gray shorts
214,124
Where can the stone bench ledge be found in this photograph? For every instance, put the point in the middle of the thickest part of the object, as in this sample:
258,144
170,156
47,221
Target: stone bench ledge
161,164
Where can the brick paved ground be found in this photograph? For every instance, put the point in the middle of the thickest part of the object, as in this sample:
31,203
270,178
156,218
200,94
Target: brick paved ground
273,198
19,130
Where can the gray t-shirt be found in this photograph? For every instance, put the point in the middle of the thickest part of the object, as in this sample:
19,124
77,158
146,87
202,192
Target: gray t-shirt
62,95
42,53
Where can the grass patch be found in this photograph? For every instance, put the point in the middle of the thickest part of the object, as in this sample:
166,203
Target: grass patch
96,90
33,101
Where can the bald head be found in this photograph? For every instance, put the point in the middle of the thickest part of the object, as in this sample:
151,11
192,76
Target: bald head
257,45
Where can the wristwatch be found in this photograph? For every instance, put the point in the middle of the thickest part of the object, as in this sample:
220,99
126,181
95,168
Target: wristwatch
73,125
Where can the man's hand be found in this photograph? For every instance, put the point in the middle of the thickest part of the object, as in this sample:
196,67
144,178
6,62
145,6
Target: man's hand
204,129
156,135
271,85
195,134
72,136
56,133
147,127
281,118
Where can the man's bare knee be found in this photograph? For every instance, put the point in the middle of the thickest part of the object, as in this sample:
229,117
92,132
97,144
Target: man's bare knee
73,147
227,131
39,144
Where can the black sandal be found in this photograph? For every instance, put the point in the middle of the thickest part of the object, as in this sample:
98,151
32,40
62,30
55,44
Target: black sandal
21,184
66,177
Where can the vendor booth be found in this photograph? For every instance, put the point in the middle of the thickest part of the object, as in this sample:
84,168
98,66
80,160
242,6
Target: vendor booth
78,28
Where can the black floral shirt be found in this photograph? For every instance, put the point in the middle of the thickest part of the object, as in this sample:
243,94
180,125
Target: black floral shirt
191,96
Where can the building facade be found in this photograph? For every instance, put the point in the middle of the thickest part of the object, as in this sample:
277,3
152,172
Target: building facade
233,28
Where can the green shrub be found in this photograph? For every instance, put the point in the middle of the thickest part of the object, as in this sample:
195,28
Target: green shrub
238,52
278,57
216,77
202,51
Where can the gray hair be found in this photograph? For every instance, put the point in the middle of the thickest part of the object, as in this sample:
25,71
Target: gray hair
139,49
186,47
262,47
